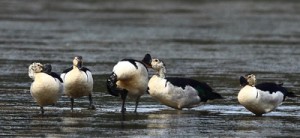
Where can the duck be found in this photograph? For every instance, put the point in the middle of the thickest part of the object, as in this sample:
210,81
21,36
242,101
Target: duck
261,98
130,78
78,82
45,89
178,92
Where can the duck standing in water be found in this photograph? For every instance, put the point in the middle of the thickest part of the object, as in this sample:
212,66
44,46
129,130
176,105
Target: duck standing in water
46,88
261,98
129,77
78,82
178,93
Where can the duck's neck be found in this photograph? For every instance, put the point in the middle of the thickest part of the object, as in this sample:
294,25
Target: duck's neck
76,67
253,85
162,72
31,74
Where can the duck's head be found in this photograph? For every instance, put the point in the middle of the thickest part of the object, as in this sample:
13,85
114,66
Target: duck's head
158,66
77,61
248,79
35,68
147,60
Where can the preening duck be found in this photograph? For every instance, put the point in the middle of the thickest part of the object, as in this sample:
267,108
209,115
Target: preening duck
176,92
261,98
129,77
45,89
78,82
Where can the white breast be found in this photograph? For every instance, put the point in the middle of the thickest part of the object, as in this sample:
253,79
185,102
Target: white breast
45,89
77,83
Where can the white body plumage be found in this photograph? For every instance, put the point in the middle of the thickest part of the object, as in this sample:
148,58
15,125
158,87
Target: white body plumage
261,98
178,92
173,96
129,77
77,83
259,102
133,79
45,89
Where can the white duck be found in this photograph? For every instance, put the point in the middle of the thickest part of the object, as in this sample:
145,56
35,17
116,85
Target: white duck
129,77
178,93
261,98
78,82
45,89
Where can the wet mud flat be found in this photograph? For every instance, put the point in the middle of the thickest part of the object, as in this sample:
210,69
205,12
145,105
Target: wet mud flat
212,41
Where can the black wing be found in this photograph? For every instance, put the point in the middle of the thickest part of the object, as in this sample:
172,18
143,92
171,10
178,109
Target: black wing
205,92
55,75
67,70
271,87
133,62
84,69
183,82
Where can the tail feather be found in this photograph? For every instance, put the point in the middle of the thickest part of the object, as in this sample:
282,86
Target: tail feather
214,95
205,92
291,94
209,95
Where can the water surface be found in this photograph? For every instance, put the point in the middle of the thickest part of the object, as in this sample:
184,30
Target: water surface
212,41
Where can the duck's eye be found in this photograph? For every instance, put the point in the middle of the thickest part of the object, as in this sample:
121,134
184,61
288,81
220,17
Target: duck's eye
156,60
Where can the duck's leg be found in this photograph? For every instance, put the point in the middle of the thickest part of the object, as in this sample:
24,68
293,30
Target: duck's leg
42,110
91,107
123,97
136,104
258,115
72,103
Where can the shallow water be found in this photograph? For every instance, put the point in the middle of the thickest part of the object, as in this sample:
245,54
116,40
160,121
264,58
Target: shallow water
212,41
